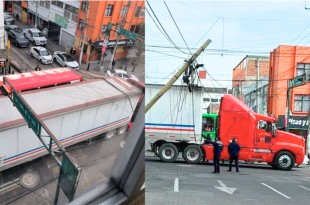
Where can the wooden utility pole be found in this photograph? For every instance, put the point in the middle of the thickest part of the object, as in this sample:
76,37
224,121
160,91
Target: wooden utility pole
84,33
119,35
257,83
176,76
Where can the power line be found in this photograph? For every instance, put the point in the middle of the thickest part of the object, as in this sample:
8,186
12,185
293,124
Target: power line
177,27
167,36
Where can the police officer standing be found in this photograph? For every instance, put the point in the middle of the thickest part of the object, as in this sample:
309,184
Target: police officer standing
217,149
234,149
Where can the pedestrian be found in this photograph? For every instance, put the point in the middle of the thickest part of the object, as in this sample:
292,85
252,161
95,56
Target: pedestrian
72,51
217,149
233,150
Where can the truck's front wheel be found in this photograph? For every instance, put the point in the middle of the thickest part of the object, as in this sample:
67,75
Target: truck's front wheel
284,160
192,154
168,152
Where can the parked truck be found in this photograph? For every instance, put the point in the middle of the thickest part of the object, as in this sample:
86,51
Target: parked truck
174,125
73,112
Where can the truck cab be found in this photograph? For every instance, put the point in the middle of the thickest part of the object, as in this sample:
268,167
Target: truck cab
257,136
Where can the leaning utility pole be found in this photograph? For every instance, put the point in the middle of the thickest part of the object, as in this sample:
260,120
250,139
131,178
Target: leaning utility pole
176,76
257,83
119,35
84,32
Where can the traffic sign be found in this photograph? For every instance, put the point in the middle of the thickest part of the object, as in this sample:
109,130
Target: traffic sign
297,81
129,34
29,117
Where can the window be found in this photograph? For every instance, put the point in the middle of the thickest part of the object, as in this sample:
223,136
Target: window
58,3
124,10
104,29
109,10
214,100
302,68
132,28
42,3
302,103
84,5
47,5
67,14
206,99
137,11
142,13
74,17
81,24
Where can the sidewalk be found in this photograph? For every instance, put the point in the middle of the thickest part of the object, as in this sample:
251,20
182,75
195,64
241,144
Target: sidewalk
126,64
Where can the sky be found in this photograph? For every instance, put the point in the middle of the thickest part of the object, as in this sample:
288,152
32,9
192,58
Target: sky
236,29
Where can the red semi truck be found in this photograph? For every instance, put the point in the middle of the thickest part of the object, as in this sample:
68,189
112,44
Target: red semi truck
257,135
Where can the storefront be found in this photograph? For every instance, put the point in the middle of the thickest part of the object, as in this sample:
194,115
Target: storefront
296,124
123,46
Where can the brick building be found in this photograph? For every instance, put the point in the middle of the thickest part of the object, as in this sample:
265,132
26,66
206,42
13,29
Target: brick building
100,14
287,62
245,78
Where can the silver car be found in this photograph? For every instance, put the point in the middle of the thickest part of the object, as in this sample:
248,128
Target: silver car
42,54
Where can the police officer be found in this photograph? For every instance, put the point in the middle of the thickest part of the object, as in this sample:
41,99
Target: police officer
234,149
217,149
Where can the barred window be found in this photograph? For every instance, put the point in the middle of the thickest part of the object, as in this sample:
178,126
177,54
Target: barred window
302,103
302,68
80,24
137,12
142,13
109,10
124,10
84,5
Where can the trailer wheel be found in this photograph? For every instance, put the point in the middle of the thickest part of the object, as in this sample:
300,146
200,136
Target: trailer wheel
29,179
110,134
121,130
192,154
284,160
168,152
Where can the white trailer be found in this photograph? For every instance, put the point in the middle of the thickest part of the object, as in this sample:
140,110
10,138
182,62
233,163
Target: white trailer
174,123
73,113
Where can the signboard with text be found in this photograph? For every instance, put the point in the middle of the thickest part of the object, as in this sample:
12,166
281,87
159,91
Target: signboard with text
61,21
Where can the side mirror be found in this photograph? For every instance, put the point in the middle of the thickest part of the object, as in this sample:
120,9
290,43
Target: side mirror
273,130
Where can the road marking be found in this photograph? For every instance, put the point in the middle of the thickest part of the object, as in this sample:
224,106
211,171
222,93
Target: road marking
273,189
304,187
224,188
176,185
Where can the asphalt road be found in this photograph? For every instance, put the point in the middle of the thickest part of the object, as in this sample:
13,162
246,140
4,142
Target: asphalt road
96,160
181,183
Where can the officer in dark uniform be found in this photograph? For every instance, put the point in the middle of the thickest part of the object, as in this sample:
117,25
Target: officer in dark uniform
234,149
217,149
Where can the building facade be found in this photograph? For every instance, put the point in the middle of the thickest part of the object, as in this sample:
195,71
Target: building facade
287,62
128,14
212,99
250,70
255,96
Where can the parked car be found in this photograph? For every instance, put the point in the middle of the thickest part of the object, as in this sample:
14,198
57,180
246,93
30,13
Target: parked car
65,60
35,36
8,18
17,38
9,26
42,54
121,74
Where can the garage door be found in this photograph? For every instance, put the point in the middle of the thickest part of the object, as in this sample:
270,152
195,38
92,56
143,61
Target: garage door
67,40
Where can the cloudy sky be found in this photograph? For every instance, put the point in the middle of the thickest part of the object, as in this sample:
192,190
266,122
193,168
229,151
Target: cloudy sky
236,28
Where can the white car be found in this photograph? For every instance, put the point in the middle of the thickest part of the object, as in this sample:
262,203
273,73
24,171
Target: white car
41,54
66,60
121,74
35,36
